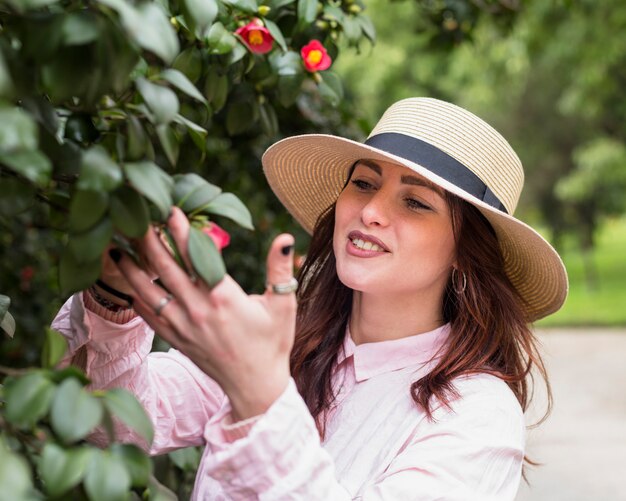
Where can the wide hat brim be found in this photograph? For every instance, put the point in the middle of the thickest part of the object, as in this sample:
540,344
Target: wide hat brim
308,172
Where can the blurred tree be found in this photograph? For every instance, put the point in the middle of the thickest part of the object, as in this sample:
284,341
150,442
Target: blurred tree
548,75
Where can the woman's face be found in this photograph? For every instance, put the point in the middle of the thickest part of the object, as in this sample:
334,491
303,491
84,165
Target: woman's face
393,233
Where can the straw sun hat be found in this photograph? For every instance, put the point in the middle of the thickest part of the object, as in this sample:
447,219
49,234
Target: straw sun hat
451,147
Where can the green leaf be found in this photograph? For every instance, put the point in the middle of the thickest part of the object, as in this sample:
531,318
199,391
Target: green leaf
148,26
76,276
123,405
199,14
17,196
136,138
240,116
28,399
192,192
228,205
205,258
7,88
198,134
216,90
86,209
352,29
5,302
277,4
15,476
54,348
89,245
7,324
367,26
220,40
137,463
80,28
335,13
249,6
69,372
274,30
159,492
237,54
74,412
80,128
107,478
98,171
152,182
289,89
307,11
187,459
169,142
33,165
182,83
63,469
287,64
189,62
24,5
18,131
330,88
161,100
129,212
43,112
269,120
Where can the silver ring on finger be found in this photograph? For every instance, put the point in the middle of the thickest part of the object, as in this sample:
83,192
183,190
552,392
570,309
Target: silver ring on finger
162,304
286,288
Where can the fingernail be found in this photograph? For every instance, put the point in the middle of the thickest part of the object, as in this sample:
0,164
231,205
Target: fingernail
286,250
116,255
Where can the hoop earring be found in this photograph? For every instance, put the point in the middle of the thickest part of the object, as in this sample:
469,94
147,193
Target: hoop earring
455,282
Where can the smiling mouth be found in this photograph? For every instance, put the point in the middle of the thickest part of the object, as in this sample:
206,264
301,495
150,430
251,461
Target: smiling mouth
366,245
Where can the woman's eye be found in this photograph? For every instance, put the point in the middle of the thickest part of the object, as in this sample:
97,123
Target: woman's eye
414,204
362,185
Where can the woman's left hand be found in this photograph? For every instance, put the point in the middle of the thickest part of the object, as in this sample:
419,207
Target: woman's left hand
242,341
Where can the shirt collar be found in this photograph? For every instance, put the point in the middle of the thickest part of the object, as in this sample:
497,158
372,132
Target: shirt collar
372,359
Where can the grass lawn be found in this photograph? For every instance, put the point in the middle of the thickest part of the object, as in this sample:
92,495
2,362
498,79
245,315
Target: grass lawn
606,304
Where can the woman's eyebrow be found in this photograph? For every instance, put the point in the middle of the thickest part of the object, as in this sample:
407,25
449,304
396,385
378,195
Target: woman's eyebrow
418,181
371,165
406,179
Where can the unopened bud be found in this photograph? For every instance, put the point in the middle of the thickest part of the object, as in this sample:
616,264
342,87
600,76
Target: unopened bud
355,8
322,25
264,10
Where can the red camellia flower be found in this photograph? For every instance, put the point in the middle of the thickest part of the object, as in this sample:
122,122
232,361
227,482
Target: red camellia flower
315,56
256,36
220,237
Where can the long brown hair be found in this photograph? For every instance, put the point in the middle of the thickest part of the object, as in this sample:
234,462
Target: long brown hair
489,332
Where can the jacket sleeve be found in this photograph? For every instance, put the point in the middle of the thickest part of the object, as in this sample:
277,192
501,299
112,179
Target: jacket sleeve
178,397
472,453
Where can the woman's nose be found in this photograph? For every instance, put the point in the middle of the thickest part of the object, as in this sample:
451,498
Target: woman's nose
376,210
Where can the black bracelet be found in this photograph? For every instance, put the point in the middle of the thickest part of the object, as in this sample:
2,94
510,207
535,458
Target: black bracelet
114,292
106,303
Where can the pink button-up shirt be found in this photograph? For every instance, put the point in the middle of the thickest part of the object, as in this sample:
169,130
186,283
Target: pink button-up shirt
379,445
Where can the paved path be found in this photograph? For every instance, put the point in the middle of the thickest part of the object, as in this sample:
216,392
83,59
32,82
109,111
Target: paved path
582,445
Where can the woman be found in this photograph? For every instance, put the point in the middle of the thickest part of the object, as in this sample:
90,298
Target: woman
404,372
